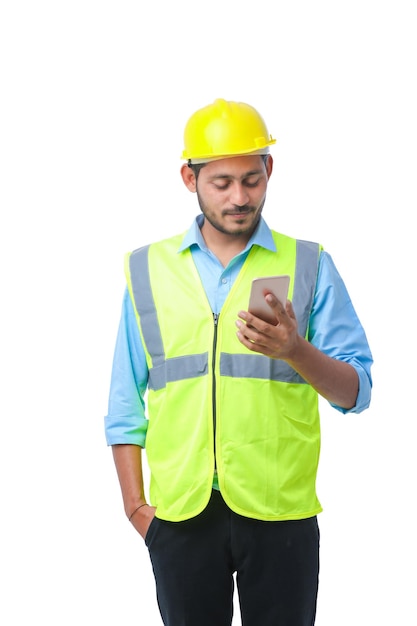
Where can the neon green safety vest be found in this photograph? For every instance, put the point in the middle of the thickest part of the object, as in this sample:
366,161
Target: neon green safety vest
213,404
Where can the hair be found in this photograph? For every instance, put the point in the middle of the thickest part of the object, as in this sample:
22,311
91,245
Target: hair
197,167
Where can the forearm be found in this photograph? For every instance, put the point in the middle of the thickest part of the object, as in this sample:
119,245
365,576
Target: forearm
335,380
128,462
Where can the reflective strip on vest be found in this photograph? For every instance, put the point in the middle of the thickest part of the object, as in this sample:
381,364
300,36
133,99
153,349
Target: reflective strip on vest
165,370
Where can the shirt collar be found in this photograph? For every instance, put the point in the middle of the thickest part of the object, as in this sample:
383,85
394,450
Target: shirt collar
261,237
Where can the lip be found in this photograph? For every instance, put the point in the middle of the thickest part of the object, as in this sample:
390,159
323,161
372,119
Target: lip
237,217
237,214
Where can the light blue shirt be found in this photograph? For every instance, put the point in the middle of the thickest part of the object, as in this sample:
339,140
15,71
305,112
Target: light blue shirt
334,329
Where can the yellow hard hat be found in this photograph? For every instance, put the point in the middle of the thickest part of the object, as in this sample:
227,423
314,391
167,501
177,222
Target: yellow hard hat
225,129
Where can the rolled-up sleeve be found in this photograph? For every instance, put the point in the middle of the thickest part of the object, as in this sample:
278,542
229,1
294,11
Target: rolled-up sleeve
125,422
336,330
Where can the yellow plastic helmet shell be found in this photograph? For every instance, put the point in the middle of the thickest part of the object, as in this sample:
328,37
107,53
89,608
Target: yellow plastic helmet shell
225,129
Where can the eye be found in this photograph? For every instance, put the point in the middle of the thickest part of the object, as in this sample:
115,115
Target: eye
251,182
222,186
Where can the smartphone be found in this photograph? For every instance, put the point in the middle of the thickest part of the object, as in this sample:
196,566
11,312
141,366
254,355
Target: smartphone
278,285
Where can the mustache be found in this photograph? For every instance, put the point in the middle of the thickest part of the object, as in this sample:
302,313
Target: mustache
247,208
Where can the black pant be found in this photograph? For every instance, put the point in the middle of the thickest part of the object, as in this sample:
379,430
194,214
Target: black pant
276,565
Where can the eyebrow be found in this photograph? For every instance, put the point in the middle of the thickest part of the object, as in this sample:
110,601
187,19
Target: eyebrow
229,176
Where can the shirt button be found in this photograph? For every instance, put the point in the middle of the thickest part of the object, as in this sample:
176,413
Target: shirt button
224,281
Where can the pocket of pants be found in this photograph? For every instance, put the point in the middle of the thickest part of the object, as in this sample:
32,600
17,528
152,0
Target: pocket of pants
151,531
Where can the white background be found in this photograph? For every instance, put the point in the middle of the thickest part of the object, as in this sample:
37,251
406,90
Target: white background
94,98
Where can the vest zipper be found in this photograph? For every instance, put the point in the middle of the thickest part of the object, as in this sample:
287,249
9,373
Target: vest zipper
213,397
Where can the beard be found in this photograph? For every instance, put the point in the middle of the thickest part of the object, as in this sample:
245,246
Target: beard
247,227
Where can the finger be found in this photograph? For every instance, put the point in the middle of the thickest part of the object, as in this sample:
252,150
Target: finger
253,345
290,310
249,342
274,303
253,339
253,327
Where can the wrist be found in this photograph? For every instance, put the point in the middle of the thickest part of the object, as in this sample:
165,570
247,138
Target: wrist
135,510
296,352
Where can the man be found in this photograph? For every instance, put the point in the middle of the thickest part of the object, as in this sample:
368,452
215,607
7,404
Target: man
232,429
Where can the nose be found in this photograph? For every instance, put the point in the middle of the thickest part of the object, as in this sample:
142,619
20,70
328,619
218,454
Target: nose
239,195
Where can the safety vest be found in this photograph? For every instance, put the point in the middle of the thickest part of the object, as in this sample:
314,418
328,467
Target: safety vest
212,403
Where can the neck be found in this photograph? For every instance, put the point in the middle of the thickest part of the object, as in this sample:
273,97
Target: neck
224,246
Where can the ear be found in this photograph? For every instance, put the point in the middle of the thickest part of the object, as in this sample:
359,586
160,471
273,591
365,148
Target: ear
189,178
269,165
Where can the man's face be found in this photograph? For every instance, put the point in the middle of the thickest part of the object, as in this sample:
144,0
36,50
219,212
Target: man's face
231,193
